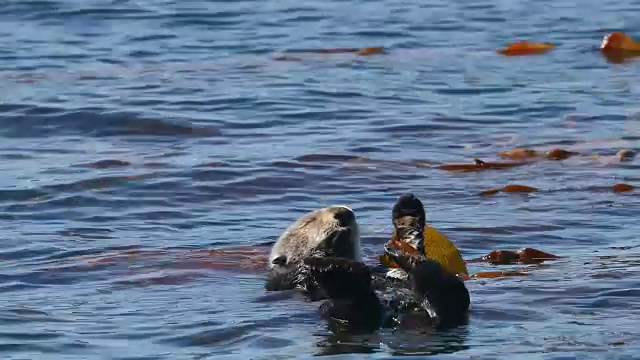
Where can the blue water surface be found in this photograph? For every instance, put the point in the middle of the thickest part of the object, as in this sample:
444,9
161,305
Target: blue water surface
136,134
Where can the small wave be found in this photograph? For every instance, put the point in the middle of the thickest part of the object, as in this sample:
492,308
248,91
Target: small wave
11,195
38,121
227,335
60,11
418,129
298,165
93,184
105,164
159,279
325,158
87,233
367,149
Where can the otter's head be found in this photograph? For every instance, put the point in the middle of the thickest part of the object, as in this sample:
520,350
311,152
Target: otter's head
409,220
330,231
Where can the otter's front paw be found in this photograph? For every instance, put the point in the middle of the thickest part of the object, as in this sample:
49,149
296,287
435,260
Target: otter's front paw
403,257
340,278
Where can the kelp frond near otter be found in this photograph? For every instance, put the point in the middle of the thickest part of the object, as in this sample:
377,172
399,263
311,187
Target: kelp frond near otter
438,248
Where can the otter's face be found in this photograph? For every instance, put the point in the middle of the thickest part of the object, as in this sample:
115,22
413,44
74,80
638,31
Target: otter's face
340,242
331,231
409,220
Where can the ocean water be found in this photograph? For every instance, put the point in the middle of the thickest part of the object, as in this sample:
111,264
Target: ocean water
136,135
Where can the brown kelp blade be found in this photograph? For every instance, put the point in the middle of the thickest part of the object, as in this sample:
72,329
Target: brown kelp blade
560,154
497,274
622,187
524,256
240,258
503,257
371,51
524,153
525,48
512,188
480,165
533,256
618,47
619,41
438,247
519,154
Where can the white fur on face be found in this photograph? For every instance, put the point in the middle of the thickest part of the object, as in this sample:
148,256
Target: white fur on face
309,232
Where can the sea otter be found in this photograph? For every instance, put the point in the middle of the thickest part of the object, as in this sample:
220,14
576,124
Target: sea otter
319,254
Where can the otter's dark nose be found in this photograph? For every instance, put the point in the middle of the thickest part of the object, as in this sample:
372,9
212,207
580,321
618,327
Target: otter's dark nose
344,215
408,205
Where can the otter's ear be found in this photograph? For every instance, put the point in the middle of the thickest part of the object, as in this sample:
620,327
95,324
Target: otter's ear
280,260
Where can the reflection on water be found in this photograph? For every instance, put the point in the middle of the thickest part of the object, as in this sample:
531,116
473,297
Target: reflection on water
424,341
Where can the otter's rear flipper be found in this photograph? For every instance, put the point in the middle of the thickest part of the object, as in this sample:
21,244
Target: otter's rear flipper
348,285
442,294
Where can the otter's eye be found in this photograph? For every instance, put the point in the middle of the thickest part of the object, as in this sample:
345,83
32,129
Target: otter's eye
280,260
344,216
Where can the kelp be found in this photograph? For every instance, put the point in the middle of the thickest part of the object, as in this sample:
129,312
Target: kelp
525,48
525,153
480,165
512,188
622,187
497,274
523,256
617,47
370,51
439,248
